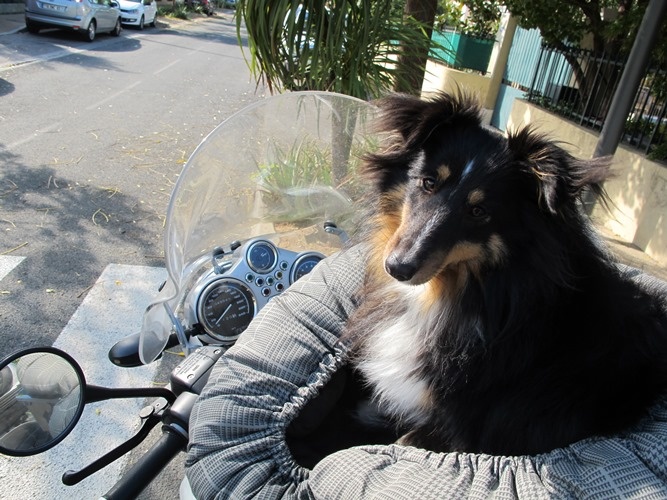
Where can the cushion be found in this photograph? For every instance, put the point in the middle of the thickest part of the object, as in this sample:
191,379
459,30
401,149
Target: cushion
280,389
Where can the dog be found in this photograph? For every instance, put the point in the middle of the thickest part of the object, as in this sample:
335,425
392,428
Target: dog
492,319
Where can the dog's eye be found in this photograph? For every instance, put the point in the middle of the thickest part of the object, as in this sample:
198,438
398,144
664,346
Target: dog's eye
477,211
428,184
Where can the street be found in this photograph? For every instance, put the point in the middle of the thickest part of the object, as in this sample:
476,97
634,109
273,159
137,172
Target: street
91,145
93,137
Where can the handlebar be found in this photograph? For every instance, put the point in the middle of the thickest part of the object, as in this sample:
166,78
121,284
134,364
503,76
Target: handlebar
173,440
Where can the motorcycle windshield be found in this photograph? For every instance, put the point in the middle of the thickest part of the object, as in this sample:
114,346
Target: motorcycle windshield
279,168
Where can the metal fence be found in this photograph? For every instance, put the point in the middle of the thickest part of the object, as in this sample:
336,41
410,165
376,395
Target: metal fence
579,85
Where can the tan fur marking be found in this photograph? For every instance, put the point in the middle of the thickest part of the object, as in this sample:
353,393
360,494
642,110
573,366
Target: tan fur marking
475,196
462,261
464,252
392,203
393,224
435,291
387,223
444,172
497,248
445,285
427,399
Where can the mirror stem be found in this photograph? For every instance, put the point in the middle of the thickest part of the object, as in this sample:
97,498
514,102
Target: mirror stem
95,393
72,477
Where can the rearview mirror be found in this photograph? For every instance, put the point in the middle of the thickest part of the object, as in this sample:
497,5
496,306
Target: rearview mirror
41,400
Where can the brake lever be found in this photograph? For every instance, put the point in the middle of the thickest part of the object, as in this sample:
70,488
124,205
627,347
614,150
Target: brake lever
150,415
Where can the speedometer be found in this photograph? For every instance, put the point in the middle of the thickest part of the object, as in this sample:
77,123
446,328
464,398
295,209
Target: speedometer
225,309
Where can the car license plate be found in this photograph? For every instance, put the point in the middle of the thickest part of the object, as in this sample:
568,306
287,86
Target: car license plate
50,6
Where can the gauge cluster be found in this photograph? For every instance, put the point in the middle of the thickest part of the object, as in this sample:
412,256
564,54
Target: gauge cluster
227,298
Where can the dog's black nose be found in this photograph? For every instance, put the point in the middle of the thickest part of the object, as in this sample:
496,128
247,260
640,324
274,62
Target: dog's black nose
398,269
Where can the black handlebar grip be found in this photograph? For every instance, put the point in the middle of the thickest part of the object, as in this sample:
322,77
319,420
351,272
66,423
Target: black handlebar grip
148,466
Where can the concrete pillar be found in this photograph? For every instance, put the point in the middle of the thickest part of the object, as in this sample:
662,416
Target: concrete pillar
500,65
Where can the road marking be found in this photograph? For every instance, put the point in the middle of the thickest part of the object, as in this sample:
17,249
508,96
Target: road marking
61,51
8,263
50,128
56,54
164,68
114,96
112,310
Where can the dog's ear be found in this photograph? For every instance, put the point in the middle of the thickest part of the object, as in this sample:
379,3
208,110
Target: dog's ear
401,113
560,176
415,119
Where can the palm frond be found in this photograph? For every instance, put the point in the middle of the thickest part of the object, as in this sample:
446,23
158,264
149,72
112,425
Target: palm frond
346,46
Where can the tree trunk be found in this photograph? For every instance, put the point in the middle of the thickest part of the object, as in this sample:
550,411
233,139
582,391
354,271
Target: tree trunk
411,65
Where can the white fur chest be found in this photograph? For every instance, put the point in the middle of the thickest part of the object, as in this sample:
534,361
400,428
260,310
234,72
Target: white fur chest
392,363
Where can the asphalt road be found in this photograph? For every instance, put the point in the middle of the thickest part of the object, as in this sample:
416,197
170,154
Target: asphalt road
92,139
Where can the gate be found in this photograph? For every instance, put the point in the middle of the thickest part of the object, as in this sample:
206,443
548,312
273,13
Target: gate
519,73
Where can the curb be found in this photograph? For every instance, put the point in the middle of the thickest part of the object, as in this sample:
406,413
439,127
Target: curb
11,32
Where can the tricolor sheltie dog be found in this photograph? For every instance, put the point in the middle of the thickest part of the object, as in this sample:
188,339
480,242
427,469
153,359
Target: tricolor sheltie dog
492,319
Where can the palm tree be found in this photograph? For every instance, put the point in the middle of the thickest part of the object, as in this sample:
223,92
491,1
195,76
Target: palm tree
361,48
345,46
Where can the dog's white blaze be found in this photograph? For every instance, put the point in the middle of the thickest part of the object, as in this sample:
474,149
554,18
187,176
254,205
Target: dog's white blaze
419,160
433,223
467,169
393,364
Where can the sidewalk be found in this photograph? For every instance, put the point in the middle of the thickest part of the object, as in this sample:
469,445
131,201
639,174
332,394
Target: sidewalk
632,256
11,23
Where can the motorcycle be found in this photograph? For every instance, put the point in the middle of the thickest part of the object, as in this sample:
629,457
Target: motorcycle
262,200
204,5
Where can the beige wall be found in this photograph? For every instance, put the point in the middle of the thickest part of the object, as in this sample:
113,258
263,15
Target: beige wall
441,78
638,191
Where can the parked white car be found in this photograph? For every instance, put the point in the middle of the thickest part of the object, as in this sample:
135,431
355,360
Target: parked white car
138,12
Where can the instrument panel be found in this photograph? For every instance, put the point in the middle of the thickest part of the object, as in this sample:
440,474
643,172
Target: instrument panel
228,297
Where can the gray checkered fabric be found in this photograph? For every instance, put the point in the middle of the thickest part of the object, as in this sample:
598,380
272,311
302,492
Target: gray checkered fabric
237,428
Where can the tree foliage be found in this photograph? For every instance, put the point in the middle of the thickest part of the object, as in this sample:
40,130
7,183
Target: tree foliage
612,24
473,17
345,46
